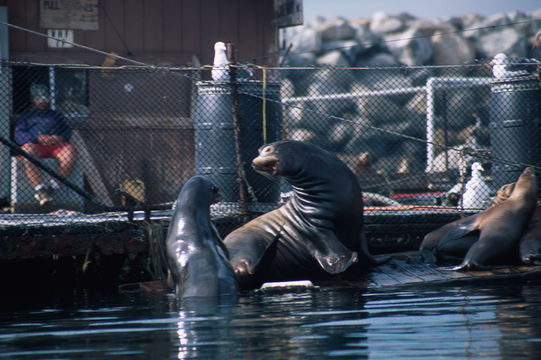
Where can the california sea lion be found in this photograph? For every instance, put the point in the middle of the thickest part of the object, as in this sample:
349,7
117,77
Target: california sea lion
433,251
197,257
316,233
503,193
431,248
500,227
530,242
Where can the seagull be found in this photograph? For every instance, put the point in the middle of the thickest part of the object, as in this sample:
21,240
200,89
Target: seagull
220,67
477,193
502,67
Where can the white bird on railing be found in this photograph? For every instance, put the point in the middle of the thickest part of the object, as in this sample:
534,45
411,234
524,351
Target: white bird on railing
220,66
477,192
503,67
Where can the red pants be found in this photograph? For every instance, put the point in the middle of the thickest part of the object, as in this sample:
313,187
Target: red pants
50,151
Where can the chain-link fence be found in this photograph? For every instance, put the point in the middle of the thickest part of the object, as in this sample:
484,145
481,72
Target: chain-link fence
410,134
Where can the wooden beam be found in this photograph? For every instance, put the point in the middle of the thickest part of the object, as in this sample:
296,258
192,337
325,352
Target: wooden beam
90,170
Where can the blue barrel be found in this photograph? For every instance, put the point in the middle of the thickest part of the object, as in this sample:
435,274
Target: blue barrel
515,127
215,151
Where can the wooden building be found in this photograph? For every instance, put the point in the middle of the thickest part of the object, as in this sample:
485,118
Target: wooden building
157,32
150,31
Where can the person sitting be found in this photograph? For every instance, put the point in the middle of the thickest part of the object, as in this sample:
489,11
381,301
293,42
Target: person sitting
44,133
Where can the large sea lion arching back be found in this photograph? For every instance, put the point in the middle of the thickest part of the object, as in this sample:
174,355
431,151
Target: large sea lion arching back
316,233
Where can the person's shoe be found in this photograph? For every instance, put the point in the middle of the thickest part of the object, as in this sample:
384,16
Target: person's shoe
44,195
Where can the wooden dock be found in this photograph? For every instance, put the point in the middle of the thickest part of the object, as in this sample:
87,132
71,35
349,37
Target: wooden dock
403,270
68,249
69,233
407,269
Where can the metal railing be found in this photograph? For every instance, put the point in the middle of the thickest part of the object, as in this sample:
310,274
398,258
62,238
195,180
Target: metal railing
409,134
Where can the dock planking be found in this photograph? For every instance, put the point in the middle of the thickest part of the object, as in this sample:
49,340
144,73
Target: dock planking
403,270
81,244
407,269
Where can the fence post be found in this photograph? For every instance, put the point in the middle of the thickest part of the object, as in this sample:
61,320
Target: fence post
230,50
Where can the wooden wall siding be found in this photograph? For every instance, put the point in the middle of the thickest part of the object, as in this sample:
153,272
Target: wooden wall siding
123,156
152,94
156,31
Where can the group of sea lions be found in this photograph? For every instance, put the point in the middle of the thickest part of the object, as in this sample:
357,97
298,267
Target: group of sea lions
505,233
318,232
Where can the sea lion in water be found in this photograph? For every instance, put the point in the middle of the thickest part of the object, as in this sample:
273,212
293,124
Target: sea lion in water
197,258
431,248
315,234
500,227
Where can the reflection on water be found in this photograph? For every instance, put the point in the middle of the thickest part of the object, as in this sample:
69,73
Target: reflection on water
491,321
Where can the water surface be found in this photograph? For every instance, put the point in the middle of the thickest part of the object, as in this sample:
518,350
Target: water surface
500,320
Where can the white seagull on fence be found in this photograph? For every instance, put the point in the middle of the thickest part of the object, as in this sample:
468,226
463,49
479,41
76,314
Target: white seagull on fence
477,192
503,67
220,67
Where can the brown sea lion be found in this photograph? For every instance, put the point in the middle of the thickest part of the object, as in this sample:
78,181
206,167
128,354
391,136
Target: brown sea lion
197,258
530,242
318,232
431,249
503,194
500,227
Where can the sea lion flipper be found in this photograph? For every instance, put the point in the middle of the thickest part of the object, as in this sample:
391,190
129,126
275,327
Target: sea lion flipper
456,232
331,254
219,241
467,266
246,249
535,259
371,259
428,256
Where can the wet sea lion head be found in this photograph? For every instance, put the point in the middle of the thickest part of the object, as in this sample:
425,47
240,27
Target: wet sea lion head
271,158
503,193
199,189
267,162
526,185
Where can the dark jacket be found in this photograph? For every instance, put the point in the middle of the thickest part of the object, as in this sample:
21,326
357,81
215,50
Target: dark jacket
41,122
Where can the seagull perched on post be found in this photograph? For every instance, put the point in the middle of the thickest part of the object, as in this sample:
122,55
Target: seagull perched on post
220,67
503,67
477,192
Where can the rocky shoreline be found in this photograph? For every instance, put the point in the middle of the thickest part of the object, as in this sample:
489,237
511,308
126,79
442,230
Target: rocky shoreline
404,39
341,59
